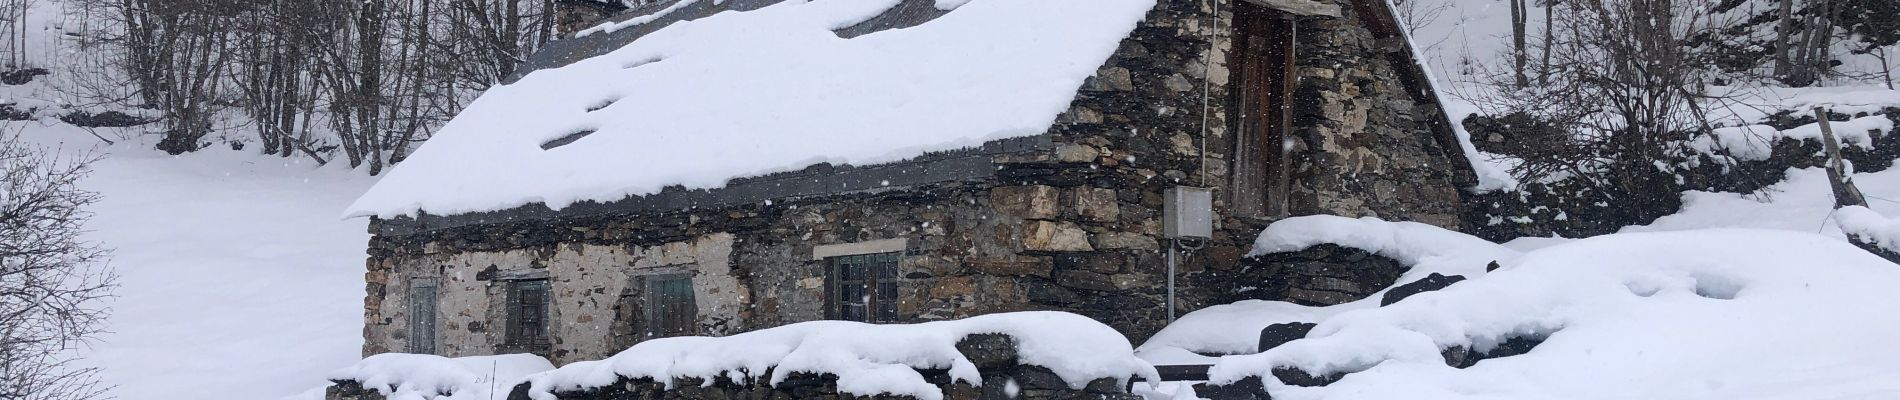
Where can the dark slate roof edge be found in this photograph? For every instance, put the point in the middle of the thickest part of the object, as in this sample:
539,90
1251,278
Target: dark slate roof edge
967,164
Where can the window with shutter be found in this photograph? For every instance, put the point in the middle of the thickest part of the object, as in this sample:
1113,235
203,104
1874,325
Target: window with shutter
670,310
864,287
422,316
528,302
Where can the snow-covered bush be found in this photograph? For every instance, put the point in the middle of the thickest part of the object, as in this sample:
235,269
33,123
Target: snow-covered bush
867,359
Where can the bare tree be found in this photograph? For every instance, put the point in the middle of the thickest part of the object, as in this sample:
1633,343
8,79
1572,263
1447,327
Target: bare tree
51,280
1624,91
1418,14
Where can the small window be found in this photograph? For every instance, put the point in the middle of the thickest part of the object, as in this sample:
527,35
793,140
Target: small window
864,287
669,306
528,302
421,316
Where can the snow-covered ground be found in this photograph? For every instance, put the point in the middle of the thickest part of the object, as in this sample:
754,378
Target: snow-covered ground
1702,314
1803,202
237,278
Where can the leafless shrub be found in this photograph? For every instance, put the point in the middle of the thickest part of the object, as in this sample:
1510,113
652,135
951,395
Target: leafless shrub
52,282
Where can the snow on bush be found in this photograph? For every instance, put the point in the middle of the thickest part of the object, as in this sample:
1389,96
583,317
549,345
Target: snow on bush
867,359
1724,313
429,377
1756,142
749,93
1235,328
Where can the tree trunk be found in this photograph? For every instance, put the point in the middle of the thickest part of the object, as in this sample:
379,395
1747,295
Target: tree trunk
1520,56
1845,193
1784,28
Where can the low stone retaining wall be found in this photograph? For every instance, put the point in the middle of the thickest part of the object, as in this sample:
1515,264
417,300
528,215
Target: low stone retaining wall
994,355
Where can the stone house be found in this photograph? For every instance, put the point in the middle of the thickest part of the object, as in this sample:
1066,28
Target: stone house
1280,107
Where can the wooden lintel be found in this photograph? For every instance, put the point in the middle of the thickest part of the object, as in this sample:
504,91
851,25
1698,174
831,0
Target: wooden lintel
1307,8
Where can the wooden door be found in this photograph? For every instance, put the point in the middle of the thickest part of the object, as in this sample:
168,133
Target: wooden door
1262,62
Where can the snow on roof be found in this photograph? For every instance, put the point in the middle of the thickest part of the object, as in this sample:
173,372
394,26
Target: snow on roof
867,359
748,93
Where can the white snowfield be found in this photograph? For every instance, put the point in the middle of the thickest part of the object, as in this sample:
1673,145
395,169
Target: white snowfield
236,279
1705,314
868,359
742,94
427,377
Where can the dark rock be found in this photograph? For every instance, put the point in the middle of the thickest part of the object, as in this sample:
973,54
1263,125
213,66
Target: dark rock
1048,293
10,113
1105,386
1299,377
22,76
1463,357
1278,334
108,119
1431,283
1085,280
1036,377
1515,345
989,350
1251,388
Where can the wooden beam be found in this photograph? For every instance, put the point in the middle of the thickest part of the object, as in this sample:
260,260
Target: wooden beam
1307,8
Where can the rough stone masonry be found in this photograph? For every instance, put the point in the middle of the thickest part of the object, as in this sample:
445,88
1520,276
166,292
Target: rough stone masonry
1071,226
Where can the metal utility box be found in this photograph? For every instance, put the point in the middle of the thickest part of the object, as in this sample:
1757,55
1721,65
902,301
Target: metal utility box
1188,213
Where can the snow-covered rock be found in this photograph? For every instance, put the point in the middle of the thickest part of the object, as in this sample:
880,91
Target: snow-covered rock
1721,313
428,377
867,359
1235,328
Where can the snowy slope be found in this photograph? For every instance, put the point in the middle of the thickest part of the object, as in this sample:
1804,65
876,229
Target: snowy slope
1706,314
1803,203
237,279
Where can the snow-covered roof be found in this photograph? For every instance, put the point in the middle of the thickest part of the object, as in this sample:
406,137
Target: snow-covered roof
746,93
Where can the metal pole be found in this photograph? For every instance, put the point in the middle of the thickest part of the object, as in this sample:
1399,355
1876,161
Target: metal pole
1172,245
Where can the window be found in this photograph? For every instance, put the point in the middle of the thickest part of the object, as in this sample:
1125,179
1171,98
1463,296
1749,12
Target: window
669,306
1263,67
864,287
528,302
421,316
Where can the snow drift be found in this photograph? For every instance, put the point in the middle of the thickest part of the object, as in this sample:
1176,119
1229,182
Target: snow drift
428,377
1724,313
867,359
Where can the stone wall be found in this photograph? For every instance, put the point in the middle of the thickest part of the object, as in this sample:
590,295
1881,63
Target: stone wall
994,356
1364,146
1581,208
1075,228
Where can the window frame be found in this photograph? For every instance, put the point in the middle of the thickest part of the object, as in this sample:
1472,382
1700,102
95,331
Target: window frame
422,316
517,333
684,318
877,281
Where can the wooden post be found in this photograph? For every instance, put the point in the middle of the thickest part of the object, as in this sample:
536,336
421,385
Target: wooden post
1845,193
